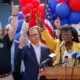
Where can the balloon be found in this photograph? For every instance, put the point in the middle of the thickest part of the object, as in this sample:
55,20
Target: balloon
35,11
62,10
60,1
24,2
27,9
20,15
17,37
74,5
35,3
9,19
53,4
64,21
41,10
54,15
20,22
74,17
32,23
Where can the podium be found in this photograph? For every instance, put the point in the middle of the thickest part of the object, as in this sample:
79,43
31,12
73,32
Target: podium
62,73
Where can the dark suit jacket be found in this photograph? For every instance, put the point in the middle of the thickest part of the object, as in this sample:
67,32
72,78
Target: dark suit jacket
30,62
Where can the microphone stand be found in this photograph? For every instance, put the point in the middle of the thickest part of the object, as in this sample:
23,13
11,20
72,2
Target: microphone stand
66,71
73,68
41,66
60,61
60,49
66,59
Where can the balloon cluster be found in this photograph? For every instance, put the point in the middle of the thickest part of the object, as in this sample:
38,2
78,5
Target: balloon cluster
28,6
67,10
33,7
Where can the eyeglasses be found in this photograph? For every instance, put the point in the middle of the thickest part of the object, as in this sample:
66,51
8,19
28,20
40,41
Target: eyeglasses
34,34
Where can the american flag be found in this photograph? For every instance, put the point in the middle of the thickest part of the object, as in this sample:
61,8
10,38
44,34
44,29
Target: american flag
49,18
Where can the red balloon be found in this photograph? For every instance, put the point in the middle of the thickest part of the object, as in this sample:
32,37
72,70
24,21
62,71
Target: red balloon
32,23
74,5
24,2
60,1
35,10
35,3
27,9
41,10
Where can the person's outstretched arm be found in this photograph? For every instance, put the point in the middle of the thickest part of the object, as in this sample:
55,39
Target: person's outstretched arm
58,26
14,21
18,59
44,32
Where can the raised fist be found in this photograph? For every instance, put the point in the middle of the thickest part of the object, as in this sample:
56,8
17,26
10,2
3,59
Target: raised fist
15,9
57,23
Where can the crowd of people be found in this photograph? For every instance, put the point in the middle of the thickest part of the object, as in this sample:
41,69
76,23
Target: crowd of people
32,51
5,46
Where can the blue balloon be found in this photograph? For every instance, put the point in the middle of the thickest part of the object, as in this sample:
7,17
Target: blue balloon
20,22
20,15
17,37
74,17
54,15
53,4
64,21
9,19
62,10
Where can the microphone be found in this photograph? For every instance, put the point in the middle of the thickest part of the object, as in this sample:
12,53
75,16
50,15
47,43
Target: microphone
52,57
74,55
78,56
64,63
66,59
62,43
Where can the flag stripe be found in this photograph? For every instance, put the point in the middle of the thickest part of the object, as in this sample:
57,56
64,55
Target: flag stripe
49,28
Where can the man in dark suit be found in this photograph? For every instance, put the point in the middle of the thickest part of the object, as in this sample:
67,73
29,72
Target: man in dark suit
32,54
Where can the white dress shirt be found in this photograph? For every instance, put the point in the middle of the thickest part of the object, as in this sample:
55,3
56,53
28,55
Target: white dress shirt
37,52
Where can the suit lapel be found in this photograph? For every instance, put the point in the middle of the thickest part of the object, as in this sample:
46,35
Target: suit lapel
42,54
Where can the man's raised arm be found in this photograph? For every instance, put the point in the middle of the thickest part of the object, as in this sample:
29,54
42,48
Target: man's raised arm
14,22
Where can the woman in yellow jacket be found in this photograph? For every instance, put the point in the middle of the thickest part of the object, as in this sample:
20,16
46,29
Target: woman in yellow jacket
55,44
67,34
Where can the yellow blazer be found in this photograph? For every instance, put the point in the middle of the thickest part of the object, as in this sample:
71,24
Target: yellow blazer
55,45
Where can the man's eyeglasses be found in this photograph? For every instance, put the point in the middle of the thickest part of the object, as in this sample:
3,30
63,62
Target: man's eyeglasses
34,34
